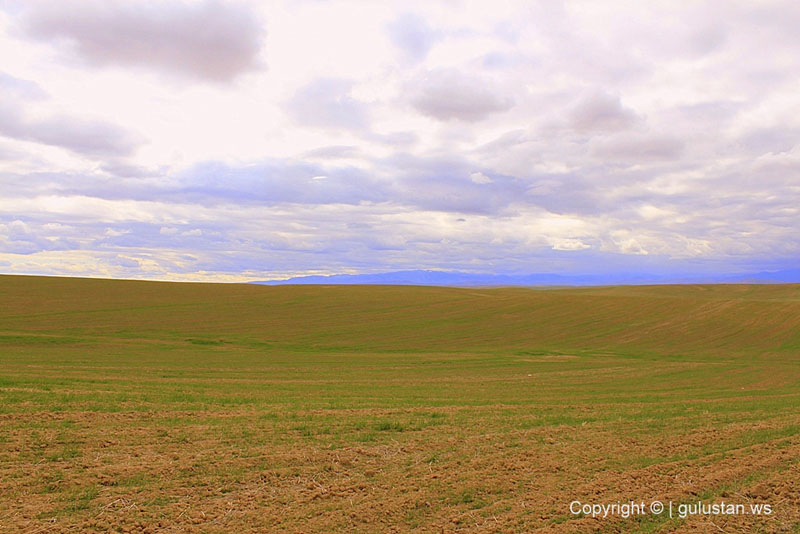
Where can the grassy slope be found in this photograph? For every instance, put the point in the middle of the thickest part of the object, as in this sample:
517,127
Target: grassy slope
730,319
507,393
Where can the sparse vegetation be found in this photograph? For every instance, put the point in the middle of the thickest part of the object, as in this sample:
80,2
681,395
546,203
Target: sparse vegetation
219,408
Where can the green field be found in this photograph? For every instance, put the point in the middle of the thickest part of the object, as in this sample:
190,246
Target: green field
165,407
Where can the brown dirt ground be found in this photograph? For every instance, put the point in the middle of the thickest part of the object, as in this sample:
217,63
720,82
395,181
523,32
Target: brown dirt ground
151,478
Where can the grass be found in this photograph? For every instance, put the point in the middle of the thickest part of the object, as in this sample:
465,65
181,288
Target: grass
352,408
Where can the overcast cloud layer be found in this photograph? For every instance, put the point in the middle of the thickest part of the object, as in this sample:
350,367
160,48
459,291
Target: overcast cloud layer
217,140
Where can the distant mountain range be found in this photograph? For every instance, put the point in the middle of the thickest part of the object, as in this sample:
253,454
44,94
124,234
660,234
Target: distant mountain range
461,279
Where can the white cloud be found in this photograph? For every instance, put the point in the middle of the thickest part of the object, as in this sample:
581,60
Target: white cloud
89,137
480,178
206,40
328,103
601,112
413,35
284,137
570,244
451,94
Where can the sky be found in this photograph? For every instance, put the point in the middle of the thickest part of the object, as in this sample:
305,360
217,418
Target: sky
233,141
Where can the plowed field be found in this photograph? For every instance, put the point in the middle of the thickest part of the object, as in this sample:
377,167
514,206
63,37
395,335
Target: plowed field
159,407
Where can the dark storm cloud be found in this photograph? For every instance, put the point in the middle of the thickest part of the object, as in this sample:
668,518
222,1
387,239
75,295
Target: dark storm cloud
210,40
450,94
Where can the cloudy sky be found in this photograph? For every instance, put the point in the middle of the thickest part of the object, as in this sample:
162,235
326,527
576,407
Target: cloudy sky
213,140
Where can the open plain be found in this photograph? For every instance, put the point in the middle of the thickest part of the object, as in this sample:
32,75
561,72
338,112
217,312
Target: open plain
173,407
